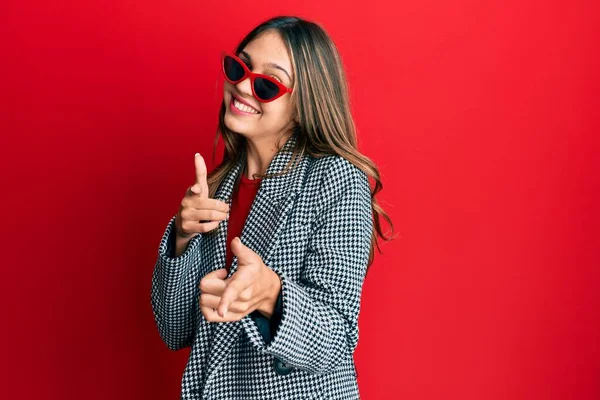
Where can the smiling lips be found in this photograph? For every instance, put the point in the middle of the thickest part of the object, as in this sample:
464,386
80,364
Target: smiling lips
240,107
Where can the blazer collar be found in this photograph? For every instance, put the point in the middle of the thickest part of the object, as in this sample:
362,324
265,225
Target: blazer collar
268,214
270,207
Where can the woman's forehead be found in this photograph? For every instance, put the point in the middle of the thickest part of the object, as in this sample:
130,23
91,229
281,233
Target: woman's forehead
269,48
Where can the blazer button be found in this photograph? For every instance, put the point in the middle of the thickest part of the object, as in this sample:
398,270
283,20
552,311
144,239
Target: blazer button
282,368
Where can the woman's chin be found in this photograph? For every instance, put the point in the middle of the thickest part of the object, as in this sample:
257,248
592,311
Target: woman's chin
234,124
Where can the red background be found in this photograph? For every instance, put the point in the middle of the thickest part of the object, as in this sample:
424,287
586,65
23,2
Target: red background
482,116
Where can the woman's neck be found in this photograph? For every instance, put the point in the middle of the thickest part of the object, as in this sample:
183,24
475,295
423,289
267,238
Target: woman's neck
260,153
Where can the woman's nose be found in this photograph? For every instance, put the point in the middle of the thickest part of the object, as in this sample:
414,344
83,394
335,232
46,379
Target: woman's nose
245,86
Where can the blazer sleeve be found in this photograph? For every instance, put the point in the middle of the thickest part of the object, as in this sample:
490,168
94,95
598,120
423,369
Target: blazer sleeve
266,326
318,328
174,293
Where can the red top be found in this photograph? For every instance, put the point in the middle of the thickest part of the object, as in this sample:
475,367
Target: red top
240,208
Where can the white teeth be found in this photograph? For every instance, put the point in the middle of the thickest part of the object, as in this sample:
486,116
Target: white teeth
243,107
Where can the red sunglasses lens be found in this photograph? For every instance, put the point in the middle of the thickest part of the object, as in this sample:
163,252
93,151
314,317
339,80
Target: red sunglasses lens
264,88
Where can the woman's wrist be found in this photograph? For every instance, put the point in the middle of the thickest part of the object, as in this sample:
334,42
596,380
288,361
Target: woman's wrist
181,244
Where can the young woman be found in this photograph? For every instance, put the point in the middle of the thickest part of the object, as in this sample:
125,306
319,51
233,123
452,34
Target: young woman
275,314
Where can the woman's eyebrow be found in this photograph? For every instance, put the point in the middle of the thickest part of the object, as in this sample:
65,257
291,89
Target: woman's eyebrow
268,64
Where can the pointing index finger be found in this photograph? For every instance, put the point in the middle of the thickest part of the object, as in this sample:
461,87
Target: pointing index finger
230,294
201,183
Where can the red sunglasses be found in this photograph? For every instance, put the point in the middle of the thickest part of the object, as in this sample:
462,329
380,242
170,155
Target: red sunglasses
264,87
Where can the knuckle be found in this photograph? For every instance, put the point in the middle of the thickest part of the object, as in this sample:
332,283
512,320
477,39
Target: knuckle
203,288
245,296
205,302
244,307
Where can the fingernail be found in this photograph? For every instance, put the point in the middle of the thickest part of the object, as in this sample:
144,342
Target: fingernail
196,155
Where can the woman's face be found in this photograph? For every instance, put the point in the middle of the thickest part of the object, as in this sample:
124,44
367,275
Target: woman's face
269,119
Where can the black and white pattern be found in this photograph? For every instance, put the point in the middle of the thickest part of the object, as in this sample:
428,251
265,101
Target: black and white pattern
313,227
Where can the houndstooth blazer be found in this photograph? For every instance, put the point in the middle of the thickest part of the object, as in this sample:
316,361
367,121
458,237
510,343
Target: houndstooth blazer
313,227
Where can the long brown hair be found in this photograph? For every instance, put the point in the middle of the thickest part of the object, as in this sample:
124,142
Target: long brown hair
320,99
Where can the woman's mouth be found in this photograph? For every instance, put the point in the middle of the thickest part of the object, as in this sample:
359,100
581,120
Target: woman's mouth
240,108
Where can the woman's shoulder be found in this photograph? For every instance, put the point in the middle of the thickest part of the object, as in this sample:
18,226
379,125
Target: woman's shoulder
333,169
334,184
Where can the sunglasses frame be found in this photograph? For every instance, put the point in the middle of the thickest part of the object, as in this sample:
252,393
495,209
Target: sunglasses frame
247,73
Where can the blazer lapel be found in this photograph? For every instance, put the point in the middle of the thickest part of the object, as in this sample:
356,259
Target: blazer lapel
268,214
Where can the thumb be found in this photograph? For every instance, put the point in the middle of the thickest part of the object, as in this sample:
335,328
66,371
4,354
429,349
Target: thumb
200,187
243,252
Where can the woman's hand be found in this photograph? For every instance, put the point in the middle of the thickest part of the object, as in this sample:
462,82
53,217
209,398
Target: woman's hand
253,286
198,213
